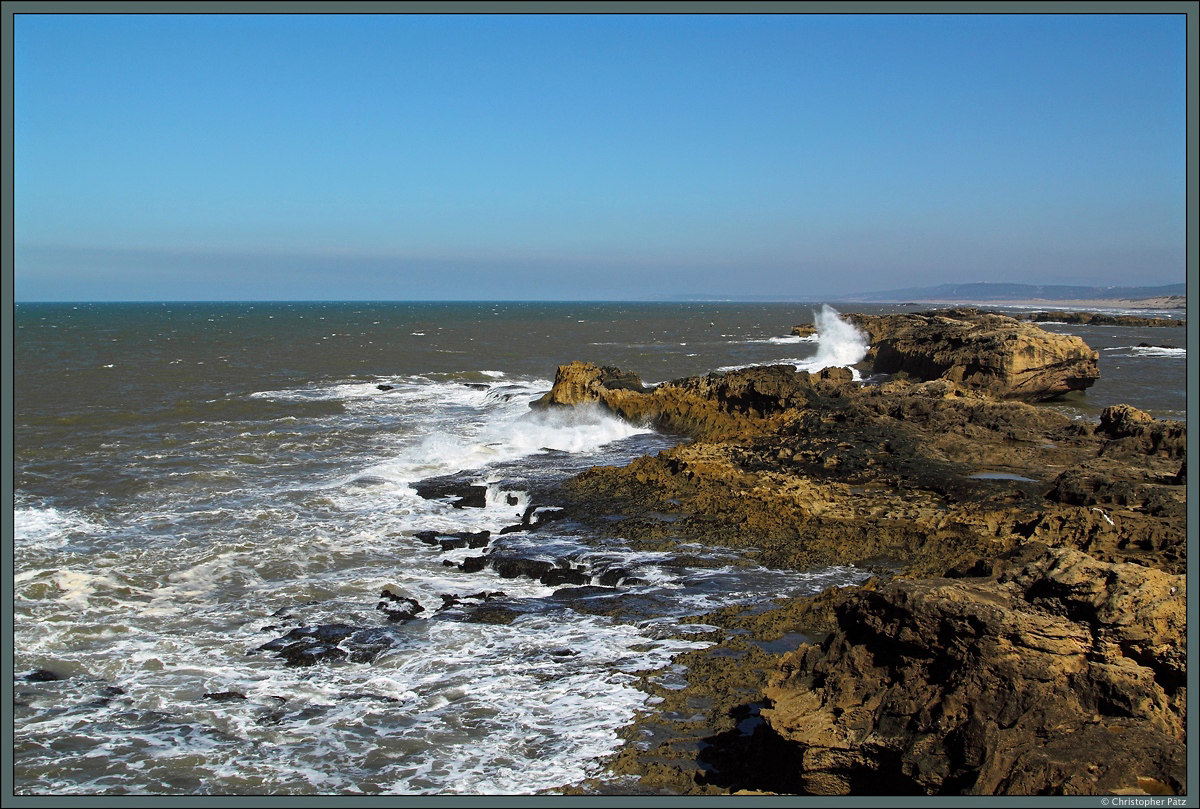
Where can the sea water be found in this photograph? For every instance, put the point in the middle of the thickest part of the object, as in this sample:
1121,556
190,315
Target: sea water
195,480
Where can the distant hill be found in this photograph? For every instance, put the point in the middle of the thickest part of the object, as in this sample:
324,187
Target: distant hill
1017,292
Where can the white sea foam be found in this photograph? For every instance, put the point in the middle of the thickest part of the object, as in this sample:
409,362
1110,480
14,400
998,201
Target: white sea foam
505,432
176,606
794,338
1149,351
839,345
50,527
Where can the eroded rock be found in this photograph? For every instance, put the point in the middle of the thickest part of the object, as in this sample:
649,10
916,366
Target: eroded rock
993,686
991,353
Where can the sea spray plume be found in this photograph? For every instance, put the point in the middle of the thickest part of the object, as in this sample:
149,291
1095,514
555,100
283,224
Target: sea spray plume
839,344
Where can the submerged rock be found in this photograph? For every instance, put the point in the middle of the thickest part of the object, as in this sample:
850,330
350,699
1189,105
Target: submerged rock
309,645
398,608
43,676
226,696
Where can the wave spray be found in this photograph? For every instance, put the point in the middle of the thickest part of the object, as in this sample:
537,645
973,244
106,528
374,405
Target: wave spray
839,344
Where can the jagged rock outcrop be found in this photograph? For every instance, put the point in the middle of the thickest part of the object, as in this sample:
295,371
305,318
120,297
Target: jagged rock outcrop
1065,676
1129,430
990,353
1026,631
718,406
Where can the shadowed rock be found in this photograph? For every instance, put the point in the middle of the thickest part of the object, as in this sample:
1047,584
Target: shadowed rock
1065,676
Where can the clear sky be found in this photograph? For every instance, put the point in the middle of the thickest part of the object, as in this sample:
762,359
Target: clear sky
403,157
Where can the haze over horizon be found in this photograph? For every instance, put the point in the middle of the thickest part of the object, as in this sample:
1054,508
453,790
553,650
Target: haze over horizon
593,157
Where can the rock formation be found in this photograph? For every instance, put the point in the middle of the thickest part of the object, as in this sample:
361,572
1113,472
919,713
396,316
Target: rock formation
717,406
1026,631
1062,677
990,353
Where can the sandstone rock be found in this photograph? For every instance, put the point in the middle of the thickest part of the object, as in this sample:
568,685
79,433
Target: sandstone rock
714,407
1131,430
1063,677
1057,634
986,352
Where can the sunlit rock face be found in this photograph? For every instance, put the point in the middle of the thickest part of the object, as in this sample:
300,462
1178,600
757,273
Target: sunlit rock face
990,353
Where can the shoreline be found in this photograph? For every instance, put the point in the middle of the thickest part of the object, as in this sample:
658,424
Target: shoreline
1013,550
1166,303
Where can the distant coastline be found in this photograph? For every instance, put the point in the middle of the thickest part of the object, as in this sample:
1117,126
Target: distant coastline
1161,302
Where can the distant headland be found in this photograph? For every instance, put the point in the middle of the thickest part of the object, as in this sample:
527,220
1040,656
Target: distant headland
1169,296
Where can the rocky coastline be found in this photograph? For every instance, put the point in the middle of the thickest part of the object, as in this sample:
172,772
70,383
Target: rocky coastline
1024,632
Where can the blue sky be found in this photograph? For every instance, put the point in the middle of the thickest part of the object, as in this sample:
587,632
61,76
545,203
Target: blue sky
404,157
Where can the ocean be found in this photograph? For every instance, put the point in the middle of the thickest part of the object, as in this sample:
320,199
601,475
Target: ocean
195,481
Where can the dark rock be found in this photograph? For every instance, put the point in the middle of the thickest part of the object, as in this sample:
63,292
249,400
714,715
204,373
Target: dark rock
367,644
535,518
458,539
489,614
398,608
310,652
564,575
473,564
309,645
225,696
385,387
613,576
43,676
464,494
511,568
466,539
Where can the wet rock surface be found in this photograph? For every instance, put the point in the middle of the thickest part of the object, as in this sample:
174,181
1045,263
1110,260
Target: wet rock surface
1024,633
